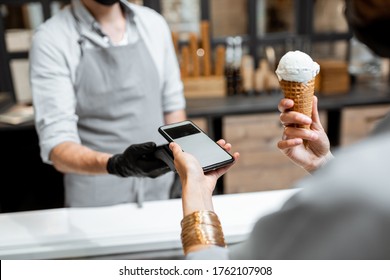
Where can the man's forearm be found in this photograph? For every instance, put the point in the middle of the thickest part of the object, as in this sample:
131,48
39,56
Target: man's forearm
175,116
70,157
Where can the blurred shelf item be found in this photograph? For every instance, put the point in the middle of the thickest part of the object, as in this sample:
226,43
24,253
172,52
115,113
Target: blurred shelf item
201,71
183,17
18,19
18,40
204,87
18,114
266,80
333,77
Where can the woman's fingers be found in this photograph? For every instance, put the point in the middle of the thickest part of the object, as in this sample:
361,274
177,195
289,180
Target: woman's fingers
285,104
226,146
294,132
175,148
294,118
289,143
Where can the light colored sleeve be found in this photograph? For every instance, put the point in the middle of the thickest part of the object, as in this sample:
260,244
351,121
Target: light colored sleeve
173,95
211,253
53,93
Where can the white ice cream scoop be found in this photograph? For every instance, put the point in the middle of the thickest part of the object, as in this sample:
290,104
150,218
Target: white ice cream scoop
297,66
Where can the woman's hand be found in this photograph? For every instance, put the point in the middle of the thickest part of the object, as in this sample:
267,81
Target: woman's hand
197,186
317,150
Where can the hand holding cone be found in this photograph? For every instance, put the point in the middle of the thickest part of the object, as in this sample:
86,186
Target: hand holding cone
302,95
296,73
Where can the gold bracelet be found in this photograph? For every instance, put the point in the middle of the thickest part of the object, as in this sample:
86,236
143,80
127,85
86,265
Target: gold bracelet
201,217
201,228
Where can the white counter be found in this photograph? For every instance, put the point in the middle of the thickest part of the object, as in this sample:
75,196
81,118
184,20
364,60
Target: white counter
123,229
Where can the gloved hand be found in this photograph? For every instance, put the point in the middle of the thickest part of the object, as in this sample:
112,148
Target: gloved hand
137,160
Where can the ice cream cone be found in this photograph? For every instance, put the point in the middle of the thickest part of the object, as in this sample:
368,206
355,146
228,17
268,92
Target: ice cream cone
302,94
296,73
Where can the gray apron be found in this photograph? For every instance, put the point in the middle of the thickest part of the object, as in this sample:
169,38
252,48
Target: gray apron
118,104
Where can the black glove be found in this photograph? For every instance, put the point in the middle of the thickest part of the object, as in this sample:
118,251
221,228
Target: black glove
137,160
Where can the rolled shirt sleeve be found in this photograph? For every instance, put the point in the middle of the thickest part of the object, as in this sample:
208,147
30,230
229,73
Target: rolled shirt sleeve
52,90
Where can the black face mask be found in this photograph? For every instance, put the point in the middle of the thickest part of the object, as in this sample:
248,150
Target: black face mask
107,2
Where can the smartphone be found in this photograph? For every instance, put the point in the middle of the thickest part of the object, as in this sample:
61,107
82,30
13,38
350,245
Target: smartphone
196,142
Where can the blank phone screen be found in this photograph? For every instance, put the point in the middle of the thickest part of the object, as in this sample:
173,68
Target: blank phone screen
194,141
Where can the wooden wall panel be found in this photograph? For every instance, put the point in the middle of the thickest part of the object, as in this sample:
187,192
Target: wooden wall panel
358,122
261,166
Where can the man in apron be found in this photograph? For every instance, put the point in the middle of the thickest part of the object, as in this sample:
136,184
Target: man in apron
104,77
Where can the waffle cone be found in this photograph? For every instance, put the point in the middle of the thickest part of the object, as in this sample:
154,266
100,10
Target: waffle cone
302,94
